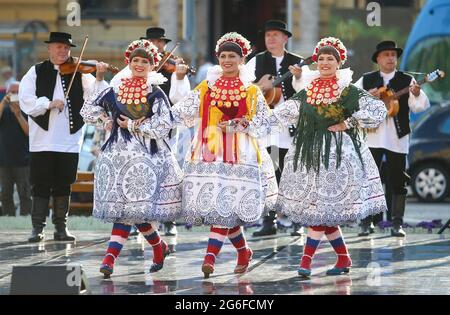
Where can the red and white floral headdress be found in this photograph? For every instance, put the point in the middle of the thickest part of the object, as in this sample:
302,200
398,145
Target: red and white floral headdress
149,47
333,42
235,38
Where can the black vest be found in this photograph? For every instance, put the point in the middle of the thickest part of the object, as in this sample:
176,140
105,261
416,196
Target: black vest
266,64
45,86
399,81
166,86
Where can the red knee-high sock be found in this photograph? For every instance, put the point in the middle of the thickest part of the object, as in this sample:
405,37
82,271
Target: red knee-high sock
334,236
216,238
152,237
237,238
119,236
315,234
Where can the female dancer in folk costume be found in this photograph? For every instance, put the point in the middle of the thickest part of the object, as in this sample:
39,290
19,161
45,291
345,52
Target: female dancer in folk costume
330,177
228,178
137,178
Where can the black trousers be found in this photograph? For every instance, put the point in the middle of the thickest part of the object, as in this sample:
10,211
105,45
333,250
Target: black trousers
52,173
395,169
277,155
20,176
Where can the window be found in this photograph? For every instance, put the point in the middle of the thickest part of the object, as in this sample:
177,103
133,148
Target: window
108,9
393,3
445,126
429,55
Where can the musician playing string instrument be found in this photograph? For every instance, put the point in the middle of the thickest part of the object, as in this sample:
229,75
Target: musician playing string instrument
55,131
391,138
276,61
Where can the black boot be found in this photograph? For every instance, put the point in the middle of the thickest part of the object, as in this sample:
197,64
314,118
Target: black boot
269,225
297,230
398,211
171,229
37,235
365,226
60,213
39,212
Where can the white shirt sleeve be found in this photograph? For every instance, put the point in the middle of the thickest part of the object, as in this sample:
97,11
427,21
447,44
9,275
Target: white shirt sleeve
91,86
30,104
298,85
420,103
359,83
178,88
251,65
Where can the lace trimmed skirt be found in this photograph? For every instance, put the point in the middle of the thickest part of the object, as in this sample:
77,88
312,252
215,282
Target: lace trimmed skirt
132,186
217,193
333,196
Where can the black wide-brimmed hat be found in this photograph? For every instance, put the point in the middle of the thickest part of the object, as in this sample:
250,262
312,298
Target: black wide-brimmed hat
59,37
386,45
276,25
156,33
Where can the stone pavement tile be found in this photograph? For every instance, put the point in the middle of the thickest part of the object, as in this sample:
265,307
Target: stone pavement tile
419,264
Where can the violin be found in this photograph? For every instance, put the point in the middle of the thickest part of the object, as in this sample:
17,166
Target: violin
85,66
170,65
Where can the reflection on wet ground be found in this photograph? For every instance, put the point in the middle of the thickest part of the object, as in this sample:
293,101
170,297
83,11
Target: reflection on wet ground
419,264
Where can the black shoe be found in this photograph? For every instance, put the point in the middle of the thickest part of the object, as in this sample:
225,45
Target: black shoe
63,235
171,229
37,235
265,231
158,266
364,231
366,226
398,232
298,231
39,214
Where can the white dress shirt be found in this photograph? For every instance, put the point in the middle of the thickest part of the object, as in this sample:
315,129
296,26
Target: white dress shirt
385,135
283,139
57,138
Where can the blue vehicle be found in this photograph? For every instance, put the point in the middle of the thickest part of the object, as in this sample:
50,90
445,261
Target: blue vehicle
428,48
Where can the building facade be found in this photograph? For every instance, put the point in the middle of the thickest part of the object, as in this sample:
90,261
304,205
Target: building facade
196,24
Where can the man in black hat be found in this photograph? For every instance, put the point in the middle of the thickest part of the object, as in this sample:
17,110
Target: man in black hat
55,132
157,36
391,138
276,61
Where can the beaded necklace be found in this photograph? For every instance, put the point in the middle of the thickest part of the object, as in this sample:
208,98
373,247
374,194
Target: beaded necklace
133,91
322,91
228,92
133,94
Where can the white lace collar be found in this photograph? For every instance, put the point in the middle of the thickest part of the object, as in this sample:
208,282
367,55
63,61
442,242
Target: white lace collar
344,77
153,78
245,75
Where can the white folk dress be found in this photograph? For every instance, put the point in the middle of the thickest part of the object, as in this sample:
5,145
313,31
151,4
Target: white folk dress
216,191
132,184
332,196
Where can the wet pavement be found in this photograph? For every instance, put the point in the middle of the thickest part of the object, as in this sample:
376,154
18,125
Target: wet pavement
419,264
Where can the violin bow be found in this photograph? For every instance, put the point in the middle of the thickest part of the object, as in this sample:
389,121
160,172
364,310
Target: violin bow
168,56
77,66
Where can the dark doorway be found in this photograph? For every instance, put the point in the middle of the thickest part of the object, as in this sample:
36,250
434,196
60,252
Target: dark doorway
245,17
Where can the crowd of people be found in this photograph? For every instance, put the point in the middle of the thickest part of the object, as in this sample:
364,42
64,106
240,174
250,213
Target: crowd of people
312,155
